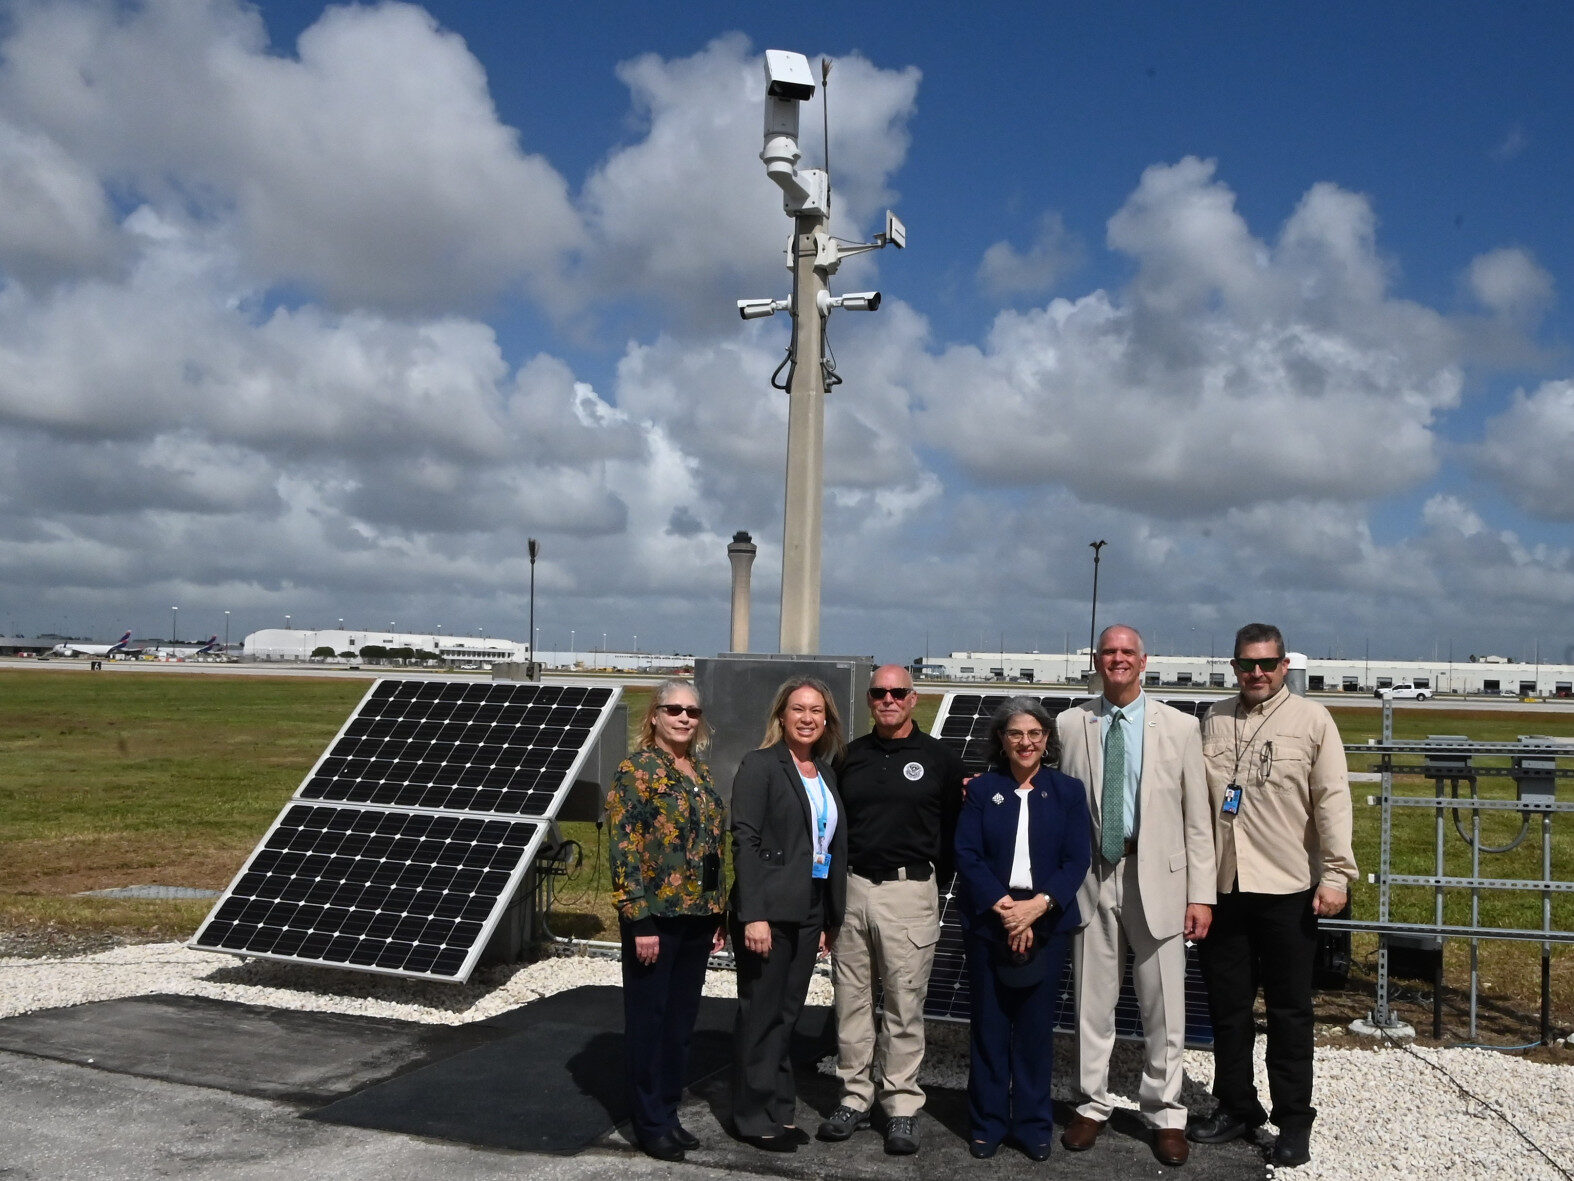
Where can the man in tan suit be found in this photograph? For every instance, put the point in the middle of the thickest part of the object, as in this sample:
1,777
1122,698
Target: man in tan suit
1150,887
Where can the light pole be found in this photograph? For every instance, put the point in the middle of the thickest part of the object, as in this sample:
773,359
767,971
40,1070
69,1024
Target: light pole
174,632
570,647
534,547
1093,623
341,624
226,632
286,623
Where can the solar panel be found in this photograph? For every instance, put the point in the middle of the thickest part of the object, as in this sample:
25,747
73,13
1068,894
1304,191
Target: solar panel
963,723
503,748
411,835
407,893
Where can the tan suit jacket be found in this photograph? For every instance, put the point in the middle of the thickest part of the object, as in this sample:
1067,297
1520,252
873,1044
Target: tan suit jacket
1175,859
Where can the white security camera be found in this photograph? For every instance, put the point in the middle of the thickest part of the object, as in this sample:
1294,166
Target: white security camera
787,75
856,301
788,83
758,309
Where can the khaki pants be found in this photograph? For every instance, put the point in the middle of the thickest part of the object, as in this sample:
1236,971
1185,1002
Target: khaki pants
1158,974
888,937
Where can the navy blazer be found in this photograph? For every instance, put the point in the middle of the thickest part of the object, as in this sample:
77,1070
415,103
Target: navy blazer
1059,844
772,842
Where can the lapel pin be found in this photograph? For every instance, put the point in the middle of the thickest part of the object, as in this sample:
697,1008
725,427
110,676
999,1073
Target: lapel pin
999,799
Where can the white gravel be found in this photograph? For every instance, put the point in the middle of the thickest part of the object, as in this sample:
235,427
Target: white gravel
1385,1112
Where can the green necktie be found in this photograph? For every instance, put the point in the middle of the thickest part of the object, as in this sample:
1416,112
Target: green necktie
1112,808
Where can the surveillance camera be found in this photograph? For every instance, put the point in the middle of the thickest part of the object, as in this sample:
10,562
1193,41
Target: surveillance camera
857,301
787,75
758,309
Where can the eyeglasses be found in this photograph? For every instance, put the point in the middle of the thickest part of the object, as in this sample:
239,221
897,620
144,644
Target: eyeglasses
673,711
1262,664
1023,735
894,692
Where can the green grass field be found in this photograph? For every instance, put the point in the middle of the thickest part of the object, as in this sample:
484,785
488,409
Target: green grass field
118,778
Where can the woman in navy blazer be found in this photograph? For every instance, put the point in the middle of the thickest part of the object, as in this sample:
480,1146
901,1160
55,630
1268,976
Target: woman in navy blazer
1018,897
789,856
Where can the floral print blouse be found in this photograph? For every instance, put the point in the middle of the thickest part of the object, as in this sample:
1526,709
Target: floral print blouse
663,826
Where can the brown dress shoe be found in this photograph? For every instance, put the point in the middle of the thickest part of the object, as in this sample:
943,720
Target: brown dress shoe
1081,1132
1169,1145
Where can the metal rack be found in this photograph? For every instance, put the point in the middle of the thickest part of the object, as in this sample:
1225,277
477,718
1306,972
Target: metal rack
1450,761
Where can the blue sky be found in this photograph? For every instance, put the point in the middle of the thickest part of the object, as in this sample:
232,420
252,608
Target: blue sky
323,311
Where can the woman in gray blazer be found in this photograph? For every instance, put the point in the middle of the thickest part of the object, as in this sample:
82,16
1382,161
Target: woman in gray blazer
789,892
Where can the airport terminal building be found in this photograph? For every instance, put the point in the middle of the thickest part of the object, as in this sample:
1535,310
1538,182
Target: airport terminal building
1486,676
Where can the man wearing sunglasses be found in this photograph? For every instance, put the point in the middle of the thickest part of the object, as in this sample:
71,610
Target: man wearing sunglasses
1281,820
901,790
1150,886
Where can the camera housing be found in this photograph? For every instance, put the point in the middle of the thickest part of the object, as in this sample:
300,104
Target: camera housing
853,301
758,309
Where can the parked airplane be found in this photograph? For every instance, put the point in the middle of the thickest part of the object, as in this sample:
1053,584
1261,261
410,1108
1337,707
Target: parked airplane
186,651
120,647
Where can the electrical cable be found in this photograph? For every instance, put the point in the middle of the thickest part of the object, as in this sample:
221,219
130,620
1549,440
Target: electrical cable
1524,823
1487,1103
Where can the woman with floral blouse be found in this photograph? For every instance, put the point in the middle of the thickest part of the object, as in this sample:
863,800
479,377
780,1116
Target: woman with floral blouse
666,824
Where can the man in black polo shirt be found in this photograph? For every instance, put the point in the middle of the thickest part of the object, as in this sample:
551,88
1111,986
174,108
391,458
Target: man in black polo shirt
901,791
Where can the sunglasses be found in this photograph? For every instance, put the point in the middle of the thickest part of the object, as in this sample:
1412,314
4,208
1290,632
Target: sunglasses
673,711
898,693
1262,664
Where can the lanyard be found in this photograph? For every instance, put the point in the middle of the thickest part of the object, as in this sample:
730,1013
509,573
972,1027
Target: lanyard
822,810
1241,749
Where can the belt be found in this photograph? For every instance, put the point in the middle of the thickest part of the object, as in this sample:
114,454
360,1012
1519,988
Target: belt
902,873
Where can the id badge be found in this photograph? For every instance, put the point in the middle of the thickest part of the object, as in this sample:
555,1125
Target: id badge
822,865
1232,800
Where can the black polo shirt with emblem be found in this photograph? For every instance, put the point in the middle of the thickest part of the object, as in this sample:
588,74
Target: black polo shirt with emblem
901,797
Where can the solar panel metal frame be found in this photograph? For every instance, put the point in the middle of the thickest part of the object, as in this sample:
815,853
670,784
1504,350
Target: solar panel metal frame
543,823
950,1001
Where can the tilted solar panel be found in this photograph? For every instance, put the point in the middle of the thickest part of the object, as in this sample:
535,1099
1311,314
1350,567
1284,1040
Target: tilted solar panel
409,893
963,722
504,748
412,833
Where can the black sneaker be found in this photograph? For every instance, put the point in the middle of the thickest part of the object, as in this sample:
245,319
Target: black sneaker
842,1123
901,1136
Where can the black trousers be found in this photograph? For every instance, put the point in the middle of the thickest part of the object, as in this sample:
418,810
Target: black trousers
660,1004
771,992
1266,940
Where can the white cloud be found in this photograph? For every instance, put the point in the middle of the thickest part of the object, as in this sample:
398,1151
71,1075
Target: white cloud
1510,284
1527,448
1228,373
1005,271
54,217
371,168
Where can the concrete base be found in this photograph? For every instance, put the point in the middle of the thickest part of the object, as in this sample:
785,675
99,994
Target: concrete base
1399,1031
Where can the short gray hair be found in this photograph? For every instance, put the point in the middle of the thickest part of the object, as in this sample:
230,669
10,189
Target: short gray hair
1033,708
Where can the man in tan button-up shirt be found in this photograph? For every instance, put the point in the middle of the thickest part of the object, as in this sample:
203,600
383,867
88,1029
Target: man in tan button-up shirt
1281,804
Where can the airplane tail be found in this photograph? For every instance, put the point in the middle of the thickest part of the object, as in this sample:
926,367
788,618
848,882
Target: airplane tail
211,646
120,643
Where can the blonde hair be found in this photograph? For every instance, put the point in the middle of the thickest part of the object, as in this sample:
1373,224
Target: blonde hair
647,727
832,743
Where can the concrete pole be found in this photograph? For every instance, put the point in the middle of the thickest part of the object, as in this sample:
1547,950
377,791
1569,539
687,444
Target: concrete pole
800,618
741,554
